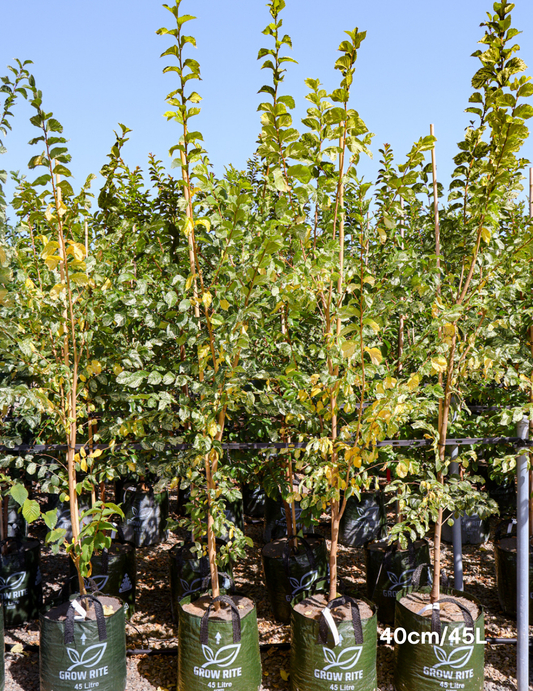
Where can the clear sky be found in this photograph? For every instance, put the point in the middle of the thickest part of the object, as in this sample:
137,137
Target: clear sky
98,64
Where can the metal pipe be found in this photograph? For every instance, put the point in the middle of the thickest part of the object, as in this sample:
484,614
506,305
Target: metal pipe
522,575
457,535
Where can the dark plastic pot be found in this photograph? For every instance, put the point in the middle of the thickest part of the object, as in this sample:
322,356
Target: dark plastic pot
216,653
253,498
474,530
234,513
189,575
114,573
16,524
288,573
145,517
319,662
21,589
390,569
363,520
83,654
63,513
434,663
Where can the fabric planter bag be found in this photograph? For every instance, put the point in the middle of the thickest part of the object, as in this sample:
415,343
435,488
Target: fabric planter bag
253,501
474,530
287,573
83,652
505,558
276,518
16,523
21,589
145,517
114,573
363,519
2,651
444,654
333,649
390,569
219,651
234,513
63,513
189,575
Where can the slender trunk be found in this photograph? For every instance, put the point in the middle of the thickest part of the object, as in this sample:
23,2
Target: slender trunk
335,523
290,478
211,541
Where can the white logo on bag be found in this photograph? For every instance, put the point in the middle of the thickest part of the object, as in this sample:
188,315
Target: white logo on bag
141,514
191,587
126,584
346,659
399,582
224,657
90,658
14,581
457,658
99,581
303,583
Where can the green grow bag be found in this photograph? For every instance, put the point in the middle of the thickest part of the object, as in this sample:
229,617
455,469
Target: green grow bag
437,663
85,653
363,519
275,525
287,573
189,575
321,660
114,573
63,513
216,653
21,589
145,517
390,569
505,563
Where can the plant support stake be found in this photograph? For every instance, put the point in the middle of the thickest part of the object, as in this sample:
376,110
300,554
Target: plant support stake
457,531
522,575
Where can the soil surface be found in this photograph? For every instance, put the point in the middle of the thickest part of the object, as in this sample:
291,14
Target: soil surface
312,608
449,611
59,613
152,627
199,607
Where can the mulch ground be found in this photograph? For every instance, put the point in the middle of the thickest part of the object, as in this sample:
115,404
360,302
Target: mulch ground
152,626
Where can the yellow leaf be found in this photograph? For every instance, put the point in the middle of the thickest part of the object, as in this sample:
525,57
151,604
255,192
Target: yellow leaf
373,325
29,283
95,453
52,262
108,611
382,234
402,469
188,282
3,256
76,458
17,648
48,212
370,279
348,348
438,364
96,366
375,355
207,298
315,391
83,465
131,465
212,428
83,453
390,382
284,675
224,304
486,234
117,369
449,329
413,382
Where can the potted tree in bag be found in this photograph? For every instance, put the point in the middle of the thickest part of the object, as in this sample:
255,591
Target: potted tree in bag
486,179
50,311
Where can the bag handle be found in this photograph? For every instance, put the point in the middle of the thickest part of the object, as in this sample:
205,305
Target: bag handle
356,619
100,619
417,574
235,620
435,615
287,554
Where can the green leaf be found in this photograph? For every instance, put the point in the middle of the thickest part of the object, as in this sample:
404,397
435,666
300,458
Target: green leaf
50,518
31,510
301,173
19,493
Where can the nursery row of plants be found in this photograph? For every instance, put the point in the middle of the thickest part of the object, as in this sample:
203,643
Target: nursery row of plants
169,314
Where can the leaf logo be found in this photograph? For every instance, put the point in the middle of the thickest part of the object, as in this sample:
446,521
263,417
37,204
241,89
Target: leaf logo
457,658
346,659
224,657
305,581
13,582
90,658
99,581
191,587
401,581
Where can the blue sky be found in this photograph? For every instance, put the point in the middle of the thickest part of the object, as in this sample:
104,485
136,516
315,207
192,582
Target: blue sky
98,64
